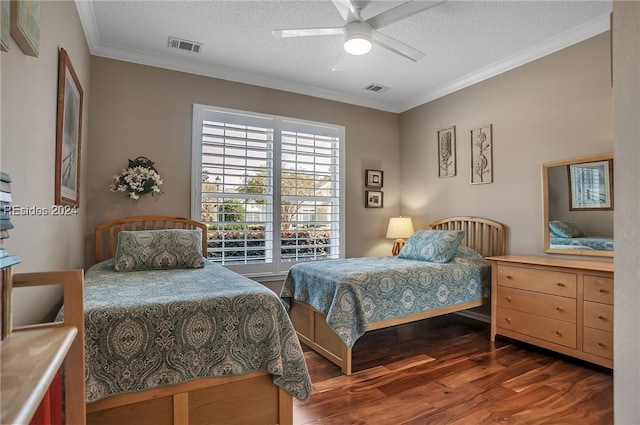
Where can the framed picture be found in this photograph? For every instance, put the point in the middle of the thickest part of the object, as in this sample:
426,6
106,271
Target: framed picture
591,186
25,25
482,155
68,133
373,178
447,152
4,25
373,199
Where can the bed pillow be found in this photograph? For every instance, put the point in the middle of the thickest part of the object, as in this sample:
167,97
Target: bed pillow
159,249
436,246
566,229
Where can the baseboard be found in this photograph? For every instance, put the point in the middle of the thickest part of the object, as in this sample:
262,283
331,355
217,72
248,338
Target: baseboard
475,315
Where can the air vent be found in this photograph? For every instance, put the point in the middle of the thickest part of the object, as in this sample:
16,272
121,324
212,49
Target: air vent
190,46
376,88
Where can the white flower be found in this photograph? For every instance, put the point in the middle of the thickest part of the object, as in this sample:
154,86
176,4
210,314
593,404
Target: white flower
137,180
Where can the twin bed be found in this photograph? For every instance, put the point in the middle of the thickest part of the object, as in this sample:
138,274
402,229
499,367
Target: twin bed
333,303
199,344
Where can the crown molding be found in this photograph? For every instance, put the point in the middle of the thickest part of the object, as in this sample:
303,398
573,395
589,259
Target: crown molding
97,48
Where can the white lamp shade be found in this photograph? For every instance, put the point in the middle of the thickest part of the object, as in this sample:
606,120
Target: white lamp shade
400,228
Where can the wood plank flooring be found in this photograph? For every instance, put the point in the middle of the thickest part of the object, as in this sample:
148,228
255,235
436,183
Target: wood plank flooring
446,371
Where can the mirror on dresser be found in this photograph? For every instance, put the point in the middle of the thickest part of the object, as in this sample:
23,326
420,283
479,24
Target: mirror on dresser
577,202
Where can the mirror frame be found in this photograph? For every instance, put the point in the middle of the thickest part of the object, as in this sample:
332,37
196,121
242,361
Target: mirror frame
545,206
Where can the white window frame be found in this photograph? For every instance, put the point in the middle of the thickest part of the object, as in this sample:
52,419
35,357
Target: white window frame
276,267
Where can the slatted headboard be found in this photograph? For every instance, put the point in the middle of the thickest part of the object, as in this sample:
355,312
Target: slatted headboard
107,232
484,235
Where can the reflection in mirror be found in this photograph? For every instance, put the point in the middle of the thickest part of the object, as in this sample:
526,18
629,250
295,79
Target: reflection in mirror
577,198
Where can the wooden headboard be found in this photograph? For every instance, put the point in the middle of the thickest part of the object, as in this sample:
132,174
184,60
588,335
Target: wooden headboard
484,235
107,232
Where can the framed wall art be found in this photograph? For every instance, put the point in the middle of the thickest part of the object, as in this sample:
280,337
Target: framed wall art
373,199
25,25
373,178
68,134
591,186
447,152
482,155
4,25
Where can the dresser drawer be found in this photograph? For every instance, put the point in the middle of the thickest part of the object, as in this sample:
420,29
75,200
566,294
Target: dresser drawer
546,281
556,331
598,289
552,306
598,342
599,316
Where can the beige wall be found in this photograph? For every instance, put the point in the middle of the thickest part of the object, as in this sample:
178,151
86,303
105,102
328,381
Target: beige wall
29,96
138,110
626,112
554,108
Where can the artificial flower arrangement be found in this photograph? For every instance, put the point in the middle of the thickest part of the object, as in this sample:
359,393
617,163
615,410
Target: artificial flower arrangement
139,178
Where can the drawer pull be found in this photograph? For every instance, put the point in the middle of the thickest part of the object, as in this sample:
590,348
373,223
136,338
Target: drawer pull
507,320
560,309
558,333
601,317
562,285
601,344
509,276
508,299
603,291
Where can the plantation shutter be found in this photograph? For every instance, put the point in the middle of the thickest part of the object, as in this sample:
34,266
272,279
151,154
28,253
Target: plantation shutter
268,188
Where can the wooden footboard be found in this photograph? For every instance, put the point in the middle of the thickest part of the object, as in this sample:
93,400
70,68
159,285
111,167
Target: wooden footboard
250,399
313,330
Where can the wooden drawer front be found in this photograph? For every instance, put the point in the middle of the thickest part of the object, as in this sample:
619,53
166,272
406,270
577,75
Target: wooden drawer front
598,289
548,282
553,306
598,342
599,316
556,331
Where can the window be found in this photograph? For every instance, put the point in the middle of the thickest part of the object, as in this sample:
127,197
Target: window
269,188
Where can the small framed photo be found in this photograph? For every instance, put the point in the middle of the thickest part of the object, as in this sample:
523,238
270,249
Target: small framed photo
373,199
373,178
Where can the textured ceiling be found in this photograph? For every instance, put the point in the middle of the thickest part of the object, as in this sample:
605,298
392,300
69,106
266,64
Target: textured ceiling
464,41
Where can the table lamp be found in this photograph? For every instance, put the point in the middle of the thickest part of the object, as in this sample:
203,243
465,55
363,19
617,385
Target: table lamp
399,229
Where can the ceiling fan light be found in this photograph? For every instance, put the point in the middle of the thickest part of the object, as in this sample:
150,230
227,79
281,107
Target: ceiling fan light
357,45
357,38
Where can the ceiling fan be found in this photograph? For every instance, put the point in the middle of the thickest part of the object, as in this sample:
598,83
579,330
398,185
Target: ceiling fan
360,34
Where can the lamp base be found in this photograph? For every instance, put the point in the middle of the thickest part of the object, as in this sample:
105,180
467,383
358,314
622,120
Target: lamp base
397,246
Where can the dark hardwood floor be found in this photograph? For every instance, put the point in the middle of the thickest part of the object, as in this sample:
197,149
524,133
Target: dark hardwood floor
446,371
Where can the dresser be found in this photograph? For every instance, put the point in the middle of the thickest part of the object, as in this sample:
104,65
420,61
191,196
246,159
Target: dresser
558,304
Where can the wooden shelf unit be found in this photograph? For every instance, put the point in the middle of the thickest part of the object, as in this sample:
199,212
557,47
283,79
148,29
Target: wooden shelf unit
33,355
558,304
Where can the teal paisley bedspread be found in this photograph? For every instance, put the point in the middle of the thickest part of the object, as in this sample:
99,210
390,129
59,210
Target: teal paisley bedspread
600,243
146,329
355,292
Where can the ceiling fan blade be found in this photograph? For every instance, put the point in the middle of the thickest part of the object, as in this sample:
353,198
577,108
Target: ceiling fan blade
396,46
345,8
341,63
303,32
405,10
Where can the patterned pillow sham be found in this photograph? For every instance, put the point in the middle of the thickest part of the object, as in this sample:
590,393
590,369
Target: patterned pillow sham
436,246
566,229
159,249
466,252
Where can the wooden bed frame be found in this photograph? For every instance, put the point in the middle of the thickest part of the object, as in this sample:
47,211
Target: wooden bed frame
247,399
485,236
